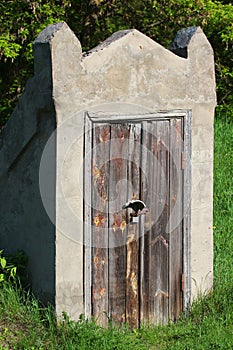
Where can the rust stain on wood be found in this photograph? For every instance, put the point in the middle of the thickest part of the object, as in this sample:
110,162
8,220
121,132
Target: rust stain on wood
104,133
102,292
174,198
182,282
182,161
119,222
101,180
99,220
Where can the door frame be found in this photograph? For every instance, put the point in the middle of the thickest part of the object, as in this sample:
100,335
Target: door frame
91,118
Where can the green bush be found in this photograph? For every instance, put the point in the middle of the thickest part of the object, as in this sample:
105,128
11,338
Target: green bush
7,270
13,267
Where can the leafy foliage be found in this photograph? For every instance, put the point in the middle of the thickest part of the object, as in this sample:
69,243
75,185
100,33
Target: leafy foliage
94,20
13,268
21,22
7,270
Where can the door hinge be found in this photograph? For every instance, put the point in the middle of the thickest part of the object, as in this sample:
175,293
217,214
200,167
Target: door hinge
182,160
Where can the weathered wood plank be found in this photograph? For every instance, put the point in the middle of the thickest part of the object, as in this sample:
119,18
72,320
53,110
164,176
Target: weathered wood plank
145,223
160,237
153,170
100,174
117,221
176,216
132,247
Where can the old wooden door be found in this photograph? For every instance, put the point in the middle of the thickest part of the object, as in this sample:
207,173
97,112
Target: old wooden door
133,271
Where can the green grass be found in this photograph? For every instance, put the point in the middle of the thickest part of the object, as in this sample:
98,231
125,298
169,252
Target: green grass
24,325
209,325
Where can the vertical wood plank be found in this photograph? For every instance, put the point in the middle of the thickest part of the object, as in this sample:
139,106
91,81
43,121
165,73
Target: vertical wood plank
154,264
159,211
117,221
100,173
132,247
145,222
176,216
